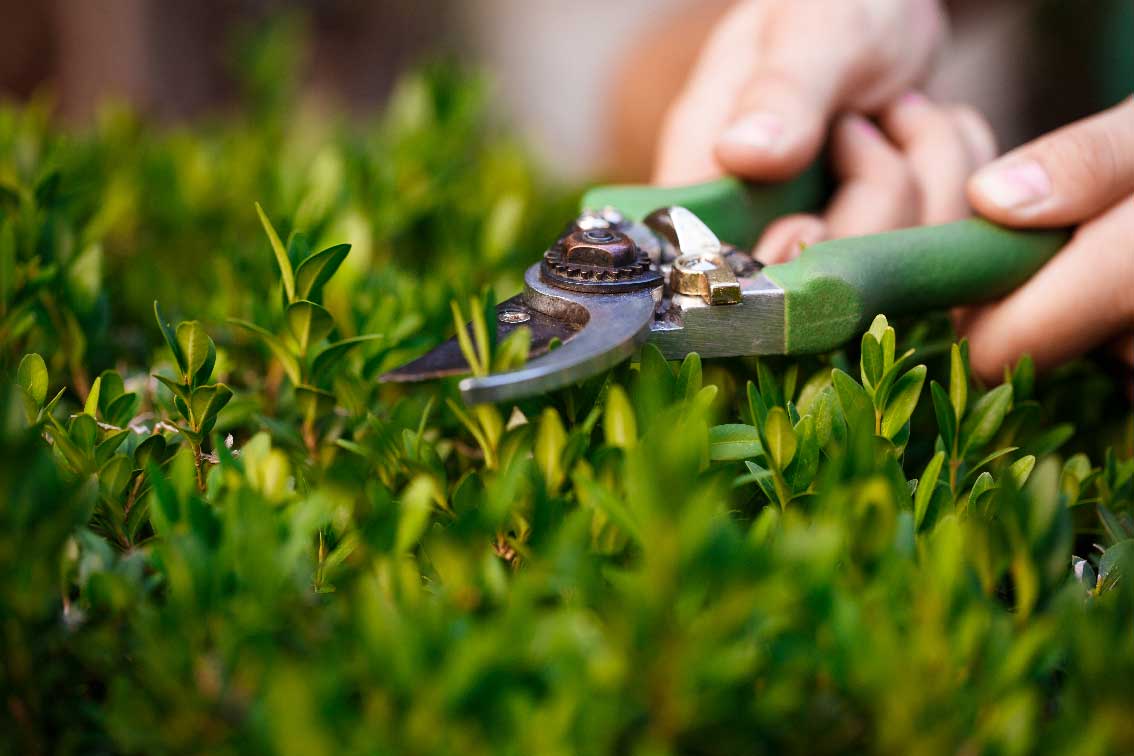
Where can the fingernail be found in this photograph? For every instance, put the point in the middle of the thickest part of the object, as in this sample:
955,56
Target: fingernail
864,127
1014,185
913,98
759,130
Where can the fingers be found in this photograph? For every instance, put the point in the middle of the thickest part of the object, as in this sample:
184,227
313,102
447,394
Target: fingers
787,237
1082,297
815,58
761,97
1064,177
912,171
943,146
878,191
702,111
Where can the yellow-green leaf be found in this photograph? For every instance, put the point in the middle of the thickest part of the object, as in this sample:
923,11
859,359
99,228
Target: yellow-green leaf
309,323
779,437
550,441
32,378
925,487
958,382
281,253
902,402
619,426
194,344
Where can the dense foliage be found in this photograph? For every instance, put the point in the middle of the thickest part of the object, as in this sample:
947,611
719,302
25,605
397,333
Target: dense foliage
220,534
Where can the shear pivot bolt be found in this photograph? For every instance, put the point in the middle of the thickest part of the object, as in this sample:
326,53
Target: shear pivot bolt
514,316
599,248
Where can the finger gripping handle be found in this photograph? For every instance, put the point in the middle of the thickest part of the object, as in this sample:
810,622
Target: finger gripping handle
833,289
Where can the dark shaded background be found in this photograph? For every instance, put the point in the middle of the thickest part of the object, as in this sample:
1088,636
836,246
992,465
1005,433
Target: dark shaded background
586,82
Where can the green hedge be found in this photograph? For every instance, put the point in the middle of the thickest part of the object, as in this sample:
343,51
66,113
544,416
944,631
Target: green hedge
216,541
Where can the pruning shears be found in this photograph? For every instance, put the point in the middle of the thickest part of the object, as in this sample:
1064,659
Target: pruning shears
671,266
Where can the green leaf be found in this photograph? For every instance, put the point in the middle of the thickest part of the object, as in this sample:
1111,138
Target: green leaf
280,252
1021,469
207,401
170,337
285,355
416,509
314,402
115,475
110,442
762,478
993,456
599,498
328,359
1116,563
878,327
856,405
618,424
958,381
91,405
824,412
1023,378
112,388
779,438
986,417
195,347
513,351
83,433
769,386
926,486
870,361
465,342
689,378
317,269
31,376
983,485
889,342
551,440
480,312
756,405
902,402
152,449
734,441
179,390
655,387
806,463
122,410
946,414
309,323
203,373
1115,528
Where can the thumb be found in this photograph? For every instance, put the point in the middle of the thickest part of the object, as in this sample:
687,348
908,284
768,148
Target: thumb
1065,177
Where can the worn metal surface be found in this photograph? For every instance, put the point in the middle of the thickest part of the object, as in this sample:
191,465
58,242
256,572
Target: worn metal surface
753,326
446,360
611,327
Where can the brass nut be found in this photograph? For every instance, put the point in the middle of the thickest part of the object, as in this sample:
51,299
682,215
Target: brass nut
705,276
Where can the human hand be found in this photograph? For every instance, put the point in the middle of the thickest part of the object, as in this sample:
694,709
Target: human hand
773,74
1080,174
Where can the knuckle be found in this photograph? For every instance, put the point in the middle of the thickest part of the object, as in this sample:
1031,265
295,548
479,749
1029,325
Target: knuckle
1084,159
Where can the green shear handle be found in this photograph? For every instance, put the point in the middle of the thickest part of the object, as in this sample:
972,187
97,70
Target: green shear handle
834,288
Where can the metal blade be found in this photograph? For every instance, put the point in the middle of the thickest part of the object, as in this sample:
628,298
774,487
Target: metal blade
610,327
447,360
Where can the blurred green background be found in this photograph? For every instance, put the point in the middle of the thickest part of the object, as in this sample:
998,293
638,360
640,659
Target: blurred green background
634,565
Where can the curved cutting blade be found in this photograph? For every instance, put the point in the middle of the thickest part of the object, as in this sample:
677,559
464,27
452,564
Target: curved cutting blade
610,328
